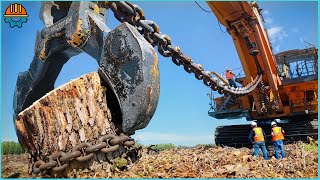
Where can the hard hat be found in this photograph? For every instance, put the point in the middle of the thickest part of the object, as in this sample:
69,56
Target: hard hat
15,10
227,69
273,123
253,123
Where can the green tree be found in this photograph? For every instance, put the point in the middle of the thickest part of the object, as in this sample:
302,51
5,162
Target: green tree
162,147
10,147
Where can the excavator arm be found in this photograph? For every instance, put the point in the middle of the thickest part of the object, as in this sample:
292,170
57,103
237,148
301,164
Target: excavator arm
244,23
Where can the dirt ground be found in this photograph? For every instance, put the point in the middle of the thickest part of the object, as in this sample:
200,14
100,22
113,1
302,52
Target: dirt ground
197,162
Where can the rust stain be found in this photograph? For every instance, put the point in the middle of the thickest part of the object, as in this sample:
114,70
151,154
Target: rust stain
43,54
77,38
148,97
154,70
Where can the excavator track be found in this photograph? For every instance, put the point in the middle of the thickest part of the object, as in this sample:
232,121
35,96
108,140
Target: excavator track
237,135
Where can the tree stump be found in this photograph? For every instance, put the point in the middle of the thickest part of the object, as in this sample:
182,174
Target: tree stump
73,113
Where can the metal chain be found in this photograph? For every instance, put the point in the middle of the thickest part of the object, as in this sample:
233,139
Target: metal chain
82,152
134,15
264,96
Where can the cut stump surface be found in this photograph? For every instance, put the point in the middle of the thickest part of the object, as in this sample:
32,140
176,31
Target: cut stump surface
66,116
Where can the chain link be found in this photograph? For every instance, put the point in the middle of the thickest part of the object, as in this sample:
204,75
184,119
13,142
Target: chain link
264,96
82,152
134,15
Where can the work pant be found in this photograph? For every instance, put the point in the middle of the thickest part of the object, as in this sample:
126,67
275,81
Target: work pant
232,83
262,146
278,145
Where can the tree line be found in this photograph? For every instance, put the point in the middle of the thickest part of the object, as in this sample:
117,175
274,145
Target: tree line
10,147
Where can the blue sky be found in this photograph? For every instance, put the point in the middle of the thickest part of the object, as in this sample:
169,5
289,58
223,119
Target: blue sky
182,113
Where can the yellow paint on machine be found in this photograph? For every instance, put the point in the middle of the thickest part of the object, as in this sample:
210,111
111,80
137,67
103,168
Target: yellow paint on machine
76,38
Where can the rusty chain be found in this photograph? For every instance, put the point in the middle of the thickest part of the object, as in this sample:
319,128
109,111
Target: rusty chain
82,152
264,98
134,15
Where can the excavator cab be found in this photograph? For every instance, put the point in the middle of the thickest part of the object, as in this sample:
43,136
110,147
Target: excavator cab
297,65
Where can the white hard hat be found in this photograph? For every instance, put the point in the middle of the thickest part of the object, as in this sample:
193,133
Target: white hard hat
273,123
277,120
253,123
228,69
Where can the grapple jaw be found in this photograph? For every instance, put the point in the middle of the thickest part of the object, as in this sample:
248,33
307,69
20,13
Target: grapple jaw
129,64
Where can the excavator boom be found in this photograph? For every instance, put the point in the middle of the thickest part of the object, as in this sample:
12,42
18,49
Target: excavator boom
243,22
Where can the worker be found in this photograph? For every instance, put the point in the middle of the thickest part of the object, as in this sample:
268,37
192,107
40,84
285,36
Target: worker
257,138
286,71
230,76
277,134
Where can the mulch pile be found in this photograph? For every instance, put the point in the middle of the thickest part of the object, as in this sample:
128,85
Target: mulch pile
225,162
14,166
198,162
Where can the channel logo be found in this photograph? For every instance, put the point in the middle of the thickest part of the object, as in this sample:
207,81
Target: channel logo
15,15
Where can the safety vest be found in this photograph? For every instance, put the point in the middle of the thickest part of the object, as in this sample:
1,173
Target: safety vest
229,75
277,134
258,137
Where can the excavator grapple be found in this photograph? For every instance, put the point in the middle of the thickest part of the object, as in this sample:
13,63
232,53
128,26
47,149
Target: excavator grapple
128,68
127,62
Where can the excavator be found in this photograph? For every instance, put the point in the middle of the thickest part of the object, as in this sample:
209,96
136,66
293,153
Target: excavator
288,91
128,64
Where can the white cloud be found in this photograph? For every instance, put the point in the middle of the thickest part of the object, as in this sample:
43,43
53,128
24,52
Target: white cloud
277,33
274,30
301,39
277,48
190,140
265,12
268,20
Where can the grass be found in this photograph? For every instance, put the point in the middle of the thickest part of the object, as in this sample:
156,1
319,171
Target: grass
168,146
10,147
205,145
162,147
311,147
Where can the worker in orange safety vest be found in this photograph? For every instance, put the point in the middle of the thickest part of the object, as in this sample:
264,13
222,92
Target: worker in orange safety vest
257,137
230,76
277,134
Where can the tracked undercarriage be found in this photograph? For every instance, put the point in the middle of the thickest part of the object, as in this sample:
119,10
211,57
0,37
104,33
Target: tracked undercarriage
237,135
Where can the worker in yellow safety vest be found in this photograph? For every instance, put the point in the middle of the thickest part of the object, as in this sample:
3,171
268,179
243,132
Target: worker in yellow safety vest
277,134
257,138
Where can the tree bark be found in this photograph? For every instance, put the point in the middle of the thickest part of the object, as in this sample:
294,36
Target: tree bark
68,115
